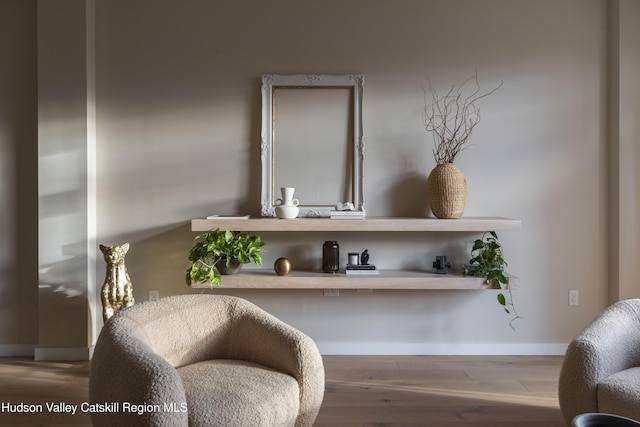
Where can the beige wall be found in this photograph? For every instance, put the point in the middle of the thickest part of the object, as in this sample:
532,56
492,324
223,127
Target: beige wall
65,203
18,176
624,157
178,128
178,138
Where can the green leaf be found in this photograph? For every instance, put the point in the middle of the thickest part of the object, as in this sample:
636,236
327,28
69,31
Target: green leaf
500,277
493,276
502,300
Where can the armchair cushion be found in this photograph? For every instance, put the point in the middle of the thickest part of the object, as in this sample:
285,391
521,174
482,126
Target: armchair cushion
620,393
244,394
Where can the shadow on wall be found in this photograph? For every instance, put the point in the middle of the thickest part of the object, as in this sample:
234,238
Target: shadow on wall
408,197
63,304
158,262
251,205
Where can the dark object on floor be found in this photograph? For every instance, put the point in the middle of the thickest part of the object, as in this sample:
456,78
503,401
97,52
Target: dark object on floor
603,420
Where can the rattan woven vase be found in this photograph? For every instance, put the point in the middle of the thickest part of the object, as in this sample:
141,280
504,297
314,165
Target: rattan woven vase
447,191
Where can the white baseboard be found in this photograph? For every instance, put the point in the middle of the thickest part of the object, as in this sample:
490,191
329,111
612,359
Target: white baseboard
17,350
330,348
466,349
63,353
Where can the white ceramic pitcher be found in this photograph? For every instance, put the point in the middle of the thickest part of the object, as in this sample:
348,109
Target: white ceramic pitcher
287,206
287,197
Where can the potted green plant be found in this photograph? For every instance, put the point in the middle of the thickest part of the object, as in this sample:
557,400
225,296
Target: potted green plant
487,260
221,252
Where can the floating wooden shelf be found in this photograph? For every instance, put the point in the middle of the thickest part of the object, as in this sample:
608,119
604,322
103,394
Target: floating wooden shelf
368,224
386,279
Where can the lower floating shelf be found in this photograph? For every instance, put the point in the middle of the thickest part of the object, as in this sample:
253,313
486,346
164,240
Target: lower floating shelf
386,279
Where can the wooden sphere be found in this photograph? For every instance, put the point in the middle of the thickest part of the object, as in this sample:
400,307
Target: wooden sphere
282,266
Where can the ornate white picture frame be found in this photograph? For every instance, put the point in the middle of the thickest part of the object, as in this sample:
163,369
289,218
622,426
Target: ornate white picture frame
338,158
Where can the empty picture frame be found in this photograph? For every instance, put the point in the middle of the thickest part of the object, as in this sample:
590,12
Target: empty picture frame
312,140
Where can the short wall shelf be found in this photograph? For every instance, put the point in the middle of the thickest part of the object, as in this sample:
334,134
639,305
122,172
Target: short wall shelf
369,224
386,279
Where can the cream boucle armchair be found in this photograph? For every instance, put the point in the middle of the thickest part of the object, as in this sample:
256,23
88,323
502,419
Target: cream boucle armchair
203,360
601,368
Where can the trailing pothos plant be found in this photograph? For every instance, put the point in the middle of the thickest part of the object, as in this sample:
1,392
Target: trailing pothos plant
487,260
215,247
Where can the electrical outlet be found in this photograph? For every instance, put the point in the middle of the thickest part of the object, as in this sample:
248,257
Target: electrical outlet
332,292
154,295
574,297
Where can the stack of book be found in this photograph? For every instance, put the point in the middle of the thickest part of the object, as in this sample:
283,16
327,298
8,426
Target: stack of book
347,215
233,216
361,269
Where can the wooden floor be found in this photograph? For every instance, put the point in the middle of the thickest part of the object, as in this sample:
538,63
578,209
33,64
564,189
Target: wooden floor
369,391
441,391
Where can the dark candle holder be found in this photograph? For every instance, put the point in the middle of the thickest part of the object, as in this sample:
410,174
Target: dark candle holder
330,256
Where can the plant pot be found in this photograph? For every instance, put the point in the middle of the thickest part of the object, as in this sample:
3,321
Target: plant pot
234,267
447,191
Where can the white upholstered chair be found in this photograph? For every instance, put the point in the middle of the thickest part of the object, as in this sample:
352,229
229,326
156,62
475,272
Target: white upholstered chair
203,360
601,368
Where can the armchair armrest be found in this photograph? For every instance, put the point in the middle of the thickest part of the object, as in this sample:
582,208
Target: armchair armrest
609,344
143,388
259,337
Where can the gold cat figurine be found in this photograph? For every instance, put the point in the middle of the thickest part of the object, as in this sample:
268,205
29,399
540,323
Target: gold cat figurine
117,290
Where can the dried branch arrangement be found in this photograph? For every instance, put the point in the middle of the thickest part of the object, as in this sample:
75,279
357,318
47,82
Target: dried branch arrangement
451,118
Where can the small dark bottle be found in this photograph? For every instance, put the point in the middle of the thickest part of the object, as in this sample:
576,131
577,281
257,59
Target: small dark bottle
330,256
